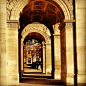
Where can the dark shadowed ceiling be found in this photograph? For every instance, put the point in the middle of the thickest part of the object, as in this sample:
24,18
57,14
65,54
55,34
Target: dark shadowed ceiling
44,11
34,35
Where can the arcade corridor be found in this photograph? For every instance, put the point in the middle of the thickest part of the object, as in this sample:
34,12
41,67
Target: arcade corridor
42,42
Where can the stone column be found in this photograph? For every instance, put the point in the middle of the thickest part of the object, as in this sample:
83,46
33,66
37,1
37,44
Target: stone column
27,58
69,53
57,56
81,41
3,53
12,53
57,52
63,55
22,54
48,59
31,60
43,57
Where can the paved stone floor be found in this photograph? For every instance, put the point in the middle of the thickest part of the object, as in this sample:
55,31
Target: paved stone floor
41,82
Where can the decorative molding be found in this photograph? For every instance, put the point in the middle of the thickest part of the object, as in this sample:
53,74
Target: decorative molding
47,44
31,28
44,30
56,37
69,24
81,73
56,34
69,21
12,25
70,74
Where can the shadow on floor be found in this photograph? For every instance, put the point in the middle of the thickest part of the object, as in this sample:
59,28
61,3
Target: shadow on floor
42,81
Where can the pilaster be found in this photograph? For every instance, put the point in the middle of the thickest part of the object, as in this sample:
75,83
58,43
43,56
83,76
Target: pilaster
80,12
3,53
22,54
12,53
63,56
57,56
48,59
44,61
69,53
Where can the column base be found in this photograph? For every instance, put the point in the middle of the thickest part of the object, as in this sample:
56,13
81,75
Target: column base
81,79
58,74
13,79
70,79
3,80
63,77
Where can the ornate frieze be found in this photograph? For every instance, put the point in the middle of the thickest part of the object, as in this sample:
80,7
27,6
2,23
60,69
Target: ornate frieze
68,24
10,5
44,29
12,25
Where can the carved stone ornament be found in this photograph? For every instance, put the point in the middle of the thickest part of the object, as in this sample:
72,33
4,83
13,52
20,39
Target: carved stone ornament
12,25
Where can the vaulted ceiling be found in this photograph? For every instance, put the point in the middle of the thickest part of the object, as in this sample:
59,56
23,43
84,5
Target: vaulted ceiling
47,12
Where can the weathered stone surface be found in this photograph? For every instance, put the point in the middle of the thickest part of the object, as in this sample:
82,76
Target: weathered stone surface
9,42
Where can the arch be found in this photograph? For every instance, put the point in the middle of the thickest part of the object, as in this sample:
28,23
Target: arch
34,35
16,7
43,11
29,29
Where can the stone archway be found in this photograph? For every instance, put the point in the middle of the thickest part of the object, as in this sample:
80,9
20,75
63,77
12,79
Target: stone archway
43,30
62,25
39,28
51,14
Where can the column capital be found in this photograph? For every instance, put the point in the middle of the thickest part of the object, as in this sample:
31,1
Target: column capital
69,21
22,44
56,34
12,24
43,47
47,44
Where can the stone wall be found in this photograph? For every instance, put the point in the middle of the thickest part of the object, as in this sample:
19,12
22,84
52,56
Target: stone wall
81,40
69,53
3,53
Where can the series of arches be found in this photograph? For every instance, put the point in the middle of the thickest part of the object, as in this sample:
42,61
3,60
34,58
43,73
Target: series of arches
50,13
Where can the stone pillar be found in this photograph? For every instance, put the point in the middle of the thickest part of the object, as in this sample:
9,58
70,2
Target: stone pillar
27,58
69,53
63,55
48,59
81,41
57,56
3,53
57,51
12,53
31,60
22,54
43,57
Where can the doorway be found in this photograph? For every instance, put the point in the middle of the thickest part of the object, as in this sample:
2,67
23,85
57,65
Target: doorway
33,59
